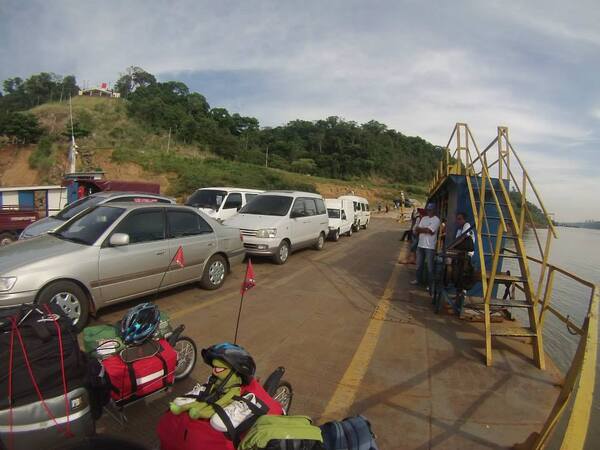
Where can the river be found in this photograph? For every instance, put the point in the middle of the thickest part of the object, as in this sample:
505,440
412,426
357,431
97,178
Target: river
578,251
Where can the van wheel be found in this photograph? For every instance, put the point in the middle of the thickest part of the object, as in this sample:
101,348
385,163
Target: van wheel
349,233
320,242
7,238
366,225
70,299
283,253
335,236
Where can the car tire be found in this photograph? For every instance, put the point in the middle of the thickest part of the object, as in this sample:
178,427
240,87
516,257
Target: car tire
283,253
215,272
357,228
320,242
70,298
366,225
335,236
7,238
349,233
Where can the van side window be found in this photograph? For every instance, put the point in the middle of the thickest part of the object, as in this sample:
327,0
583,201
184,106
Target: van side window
356,206
310,206
343,215
362,205
367,206
249,197
234,201
321,209
298,207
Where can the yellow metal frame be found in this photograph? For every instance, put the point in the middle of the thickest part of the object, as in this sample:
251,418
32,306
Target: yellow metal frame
467,160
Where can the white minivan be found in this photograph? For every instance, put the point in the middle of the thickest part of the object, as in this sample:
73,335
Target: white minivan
362,213
341,217
279,222
221,203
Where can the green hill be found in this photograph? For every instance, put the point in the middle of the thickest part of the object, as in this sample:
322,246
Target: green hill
170,132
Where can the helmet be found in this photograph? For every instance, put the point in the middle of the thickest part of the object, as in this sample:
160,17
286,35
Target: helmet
140,323
234,355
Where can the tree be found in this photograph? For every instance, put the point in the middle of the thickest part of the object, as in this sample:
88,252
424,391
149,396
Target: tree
22,128
12,85
133,78
69,87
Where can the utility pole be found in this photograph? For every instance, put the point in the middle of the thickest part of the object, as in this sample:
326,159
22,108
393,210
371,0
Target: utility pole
267,157
169,141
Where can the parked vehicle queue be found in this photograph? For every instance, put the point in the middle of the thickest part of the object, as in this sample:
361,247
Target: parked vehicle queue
111,247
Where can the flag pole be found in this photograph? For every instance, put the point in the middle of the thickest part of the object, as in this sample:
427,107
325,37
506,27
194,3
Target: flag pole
238,317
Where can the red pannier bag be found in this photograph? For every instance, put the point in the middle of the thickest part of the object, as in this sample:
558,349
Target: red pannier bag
142,377
182,433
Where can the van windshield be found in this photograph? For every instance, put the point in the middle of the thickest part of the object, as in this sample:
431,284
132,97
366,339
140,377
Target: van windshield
333,213
207,198
76,207
268,205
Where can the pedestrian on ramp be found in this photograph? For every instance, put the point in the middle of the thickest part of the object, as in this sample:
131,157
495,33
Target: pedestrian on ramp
427,238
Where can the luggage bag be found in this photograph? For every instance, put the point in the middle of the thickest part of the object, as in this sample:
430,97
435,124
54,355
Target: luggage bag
352,433
136,379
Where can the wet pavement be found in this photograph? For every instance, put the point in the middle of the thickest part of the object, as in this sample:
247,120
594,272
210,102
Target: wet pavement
356,337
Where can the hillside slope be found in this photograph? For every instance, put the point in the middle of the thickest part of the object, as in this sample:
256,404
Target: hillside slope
125,149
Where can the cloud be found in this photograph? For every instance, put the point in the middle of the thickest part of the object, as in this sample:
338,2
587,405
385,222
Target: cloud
417,67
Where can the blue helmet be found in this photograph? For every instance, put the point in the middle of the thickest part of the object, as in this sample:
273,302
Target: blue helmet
140,323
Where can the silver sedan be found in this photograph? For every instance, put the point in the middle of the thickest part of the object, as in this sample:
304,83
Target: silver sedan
116,252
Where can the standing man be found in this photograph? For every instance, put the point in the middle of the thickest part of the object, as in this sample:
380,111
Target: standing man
427,231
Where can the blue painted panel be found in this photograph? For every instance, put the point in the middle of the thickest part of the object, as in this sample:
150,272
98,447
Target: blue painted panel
0,198
26,199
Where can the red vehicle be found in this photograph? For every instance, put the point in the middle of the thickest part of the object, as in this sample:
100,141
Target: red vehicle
13,221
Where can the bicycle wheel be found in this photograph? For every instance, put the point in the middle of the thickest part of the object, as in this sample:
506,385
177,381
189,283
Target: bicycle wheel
186,357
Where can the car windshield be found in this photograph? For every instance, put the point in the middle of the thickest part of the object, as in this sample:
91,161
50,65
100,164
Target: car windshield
90,226
76,207
333,213
207,198
268,205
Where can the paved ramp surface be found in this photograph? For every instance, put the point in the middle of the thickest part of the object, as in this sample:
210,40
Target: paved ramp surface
355,337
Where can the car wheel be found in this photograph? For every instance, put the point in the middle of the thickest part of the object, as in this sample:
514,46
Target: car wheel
356,227
335,236
282,254
214,273
349,233
366,225
320,242
7,238
70,299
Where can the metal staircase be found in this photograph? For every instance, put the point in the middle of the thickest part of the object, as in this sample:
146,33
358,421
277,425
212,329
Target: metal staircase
497,196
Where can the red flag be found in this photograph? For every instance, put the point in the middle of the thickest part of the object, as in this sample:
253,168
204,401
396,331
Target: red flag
179,259
249,280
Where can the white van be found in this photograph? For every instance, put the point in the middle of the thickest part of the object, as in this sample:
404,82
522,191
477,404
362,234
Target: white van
362,213
221,203
341,217
278,222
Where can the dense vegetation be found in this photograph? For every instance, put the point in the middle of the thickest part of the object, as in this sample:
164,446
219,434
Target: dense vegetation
332,147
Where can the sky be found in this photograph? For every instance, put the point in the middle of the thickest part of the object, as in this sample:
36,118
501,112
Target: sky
417,66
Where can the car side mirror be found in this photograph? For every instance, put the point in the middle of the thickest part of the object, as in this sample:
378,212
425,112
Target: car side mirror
295,214
119,240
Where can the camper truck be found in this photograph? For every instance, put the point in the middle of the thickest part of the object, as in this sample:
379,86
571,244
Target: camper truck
341,217
362,213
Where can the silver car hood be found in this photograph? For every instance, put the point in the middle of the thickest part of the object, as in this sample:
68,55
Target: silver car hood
34,250
41,226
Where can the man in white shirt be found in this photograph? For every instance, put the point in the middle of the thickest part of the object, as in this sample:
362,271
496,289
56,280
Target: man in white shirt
427,230
464,228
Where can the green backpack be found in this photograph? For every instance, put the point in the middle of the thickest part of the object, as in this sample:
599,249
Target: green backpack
102,341
283,432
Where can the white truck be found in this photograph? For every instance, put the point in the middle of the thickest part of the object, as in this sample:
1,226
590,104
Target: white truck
341,217
362,213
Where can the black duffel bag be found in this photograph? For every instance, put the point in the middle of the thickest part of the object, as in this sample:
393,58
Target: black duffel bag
36,345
